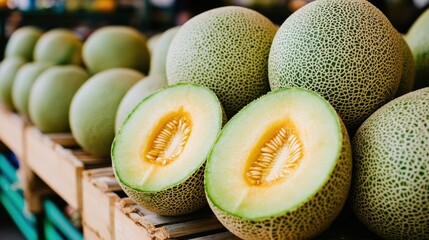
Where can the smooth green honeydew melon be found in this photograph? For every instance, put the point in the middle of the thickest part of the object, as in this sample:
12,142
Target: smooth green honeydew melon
51,95
93,108
160,152
8,69
345,50
114,47
138,92
159,53
59,46
417,38
24,80
22,42
152,41
289,177
225,49
406,84
390,193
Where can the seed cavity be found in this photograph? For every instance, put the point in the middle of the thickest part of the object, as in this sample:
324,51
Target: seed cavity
170,141
277,158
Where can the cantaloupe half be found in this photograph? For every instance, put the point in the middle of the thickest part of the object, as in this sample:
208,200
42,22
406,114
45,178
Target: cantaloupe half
160,151
281,167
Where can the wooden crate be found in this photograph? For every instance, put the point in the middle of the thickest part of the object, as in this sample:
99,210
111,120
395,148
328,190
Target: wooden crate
134,222
100,192
59,162
12,130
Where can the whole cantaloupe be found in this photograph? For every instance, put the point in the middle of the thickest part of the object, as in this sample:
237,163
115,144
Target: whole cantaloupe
24,80
137,93
417,38
8,69
59,46
345,50
390,187
51,95
93,108
22,41
114,47
406,84
159,53
225,49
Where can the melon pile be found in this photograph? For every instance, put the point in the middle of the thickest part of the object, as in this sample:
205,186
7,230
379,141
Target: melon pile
276,129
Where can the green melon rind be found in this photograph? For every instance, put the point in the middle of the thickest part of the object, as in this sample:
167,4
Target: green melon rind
417,38
22,42
390,193
345,50
305,221
225,49
24,80
181,198
8,69
93,108
51,95
406,84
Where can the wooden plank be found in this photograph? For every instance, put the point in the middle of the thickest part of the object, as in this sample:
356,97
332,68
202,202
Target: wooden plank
12,131
99,186
218,236
126,228
57,165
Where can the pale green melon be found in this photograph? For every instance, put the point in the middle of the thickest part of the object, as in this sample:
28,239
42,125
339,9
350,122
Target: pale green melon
152,41
160,152
114,47
281,167
51,95
225,49
406,84
417,38
59,46
138,92
345,50
22,42
93,108
390,192
8,69
24,80
159,54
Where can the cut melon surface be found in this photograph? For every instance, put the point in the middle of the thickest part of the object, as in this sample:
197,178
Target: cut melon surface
282,162
163,143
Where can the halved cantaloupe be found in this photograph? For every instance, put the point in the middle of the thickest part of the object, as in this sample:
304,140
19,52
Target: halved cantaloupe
160,151
281,167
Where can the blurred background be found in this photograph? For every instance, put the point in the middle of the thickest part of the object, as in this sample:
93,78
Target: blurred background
152,16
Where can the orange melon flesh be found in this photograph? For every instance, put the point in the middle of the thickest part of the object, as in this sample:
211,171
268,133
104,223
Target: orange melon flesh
314,136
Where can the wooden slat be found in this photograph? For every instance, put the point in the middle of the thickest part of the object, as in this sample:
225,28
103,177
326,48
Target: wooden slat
12,130
218,236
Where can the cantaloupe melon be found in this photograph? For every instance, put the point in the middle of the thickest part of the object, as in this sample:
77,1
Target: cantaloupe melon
158,56
417,38
281,167
93,108
225,49
51,95
114,47
8,69
345,50
406,84
24,80
138,92
390,190
22,41
59,46
160,152
152,41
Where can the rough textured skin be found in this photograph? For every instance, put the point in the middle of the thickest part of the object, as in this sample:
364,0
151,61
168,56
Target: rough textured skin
390,189
406,84
417,38
22,41
58,46
93,108
51,95
116,46
345,50
186,197
160,50
24,80
8,69
225,49
306,221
